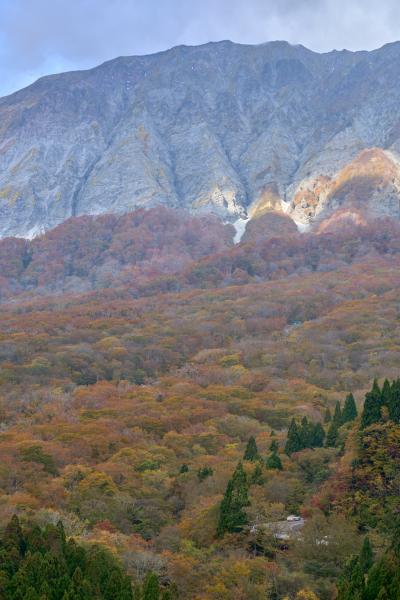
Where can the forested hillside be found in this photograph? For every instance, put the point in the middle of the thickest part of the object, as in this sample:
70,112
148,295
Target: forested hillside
173,398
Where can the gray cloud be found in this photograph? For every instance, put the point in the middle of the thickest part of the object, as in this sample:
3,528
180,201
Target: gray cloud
43,36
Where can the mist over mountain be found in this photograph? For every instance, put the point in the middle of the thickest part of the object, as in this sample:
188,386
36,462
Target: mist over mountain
226,128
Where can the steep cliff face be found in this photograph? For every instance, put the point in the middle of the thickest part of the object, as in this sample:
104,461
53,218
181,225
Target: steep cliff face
367,187
222,127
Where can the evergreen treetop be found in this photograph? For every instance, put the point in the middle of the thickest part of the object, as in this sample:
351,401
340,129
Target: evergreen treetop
349,409
372,406
332,435
318,436
274,446
337,415
257,477
293,442
274,462
232,517
251,452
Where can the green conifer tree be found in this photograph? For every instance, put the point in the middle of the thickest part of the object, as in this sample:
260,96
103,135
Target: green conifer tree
251,452
305,433
337,415
274,462
351,584
204,472
13,536
114,586
79,588
332,435
151,587
61,534
32,594
318,436
386,393
394,404
232,517
293,442
372,406
274,446
381,575
257,477
349,410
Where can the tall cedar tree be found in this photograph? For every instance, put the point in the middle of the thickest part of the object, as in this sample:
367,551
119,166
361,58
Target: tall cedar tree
394,403
337,415
274,462
274,446
386,393
332,435
318,436
251,452
306,433
351,584
372,406
293,442
232,517
257,477
349,410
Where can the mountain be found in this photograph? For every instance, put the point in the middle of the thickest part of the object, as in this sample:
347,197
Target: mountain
223,127
186,410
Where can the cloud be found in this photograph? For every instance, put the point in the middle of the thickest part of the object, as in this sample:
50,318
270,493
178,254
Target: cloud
43,36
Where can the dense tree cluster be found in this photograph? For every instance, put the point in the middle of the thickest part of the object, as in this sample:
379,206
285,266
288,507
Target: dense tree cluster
340,417
305,435
41,564
381,403
366,579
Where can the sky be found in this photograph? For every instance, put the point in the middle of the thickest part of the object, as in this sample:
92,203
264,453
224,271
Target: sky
38,37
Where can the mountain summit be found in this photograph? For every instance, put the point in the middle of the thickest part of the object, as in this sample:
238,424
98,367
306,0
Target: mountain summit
226,128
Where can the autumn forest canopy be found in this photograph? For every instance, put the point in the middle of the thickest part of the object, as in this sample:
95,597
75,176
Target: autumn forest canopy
168,399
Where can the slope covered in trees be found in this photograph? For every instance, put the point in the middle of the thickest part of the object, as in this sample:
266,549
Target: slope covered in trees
89,253
153,420
151,252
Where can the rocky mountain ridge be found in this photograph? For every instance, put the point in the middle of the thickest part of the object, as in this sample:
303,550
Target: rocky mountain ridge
225,128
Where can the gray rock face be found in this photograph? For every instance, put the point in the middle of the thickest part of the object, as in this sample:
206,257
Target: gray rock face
208,128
